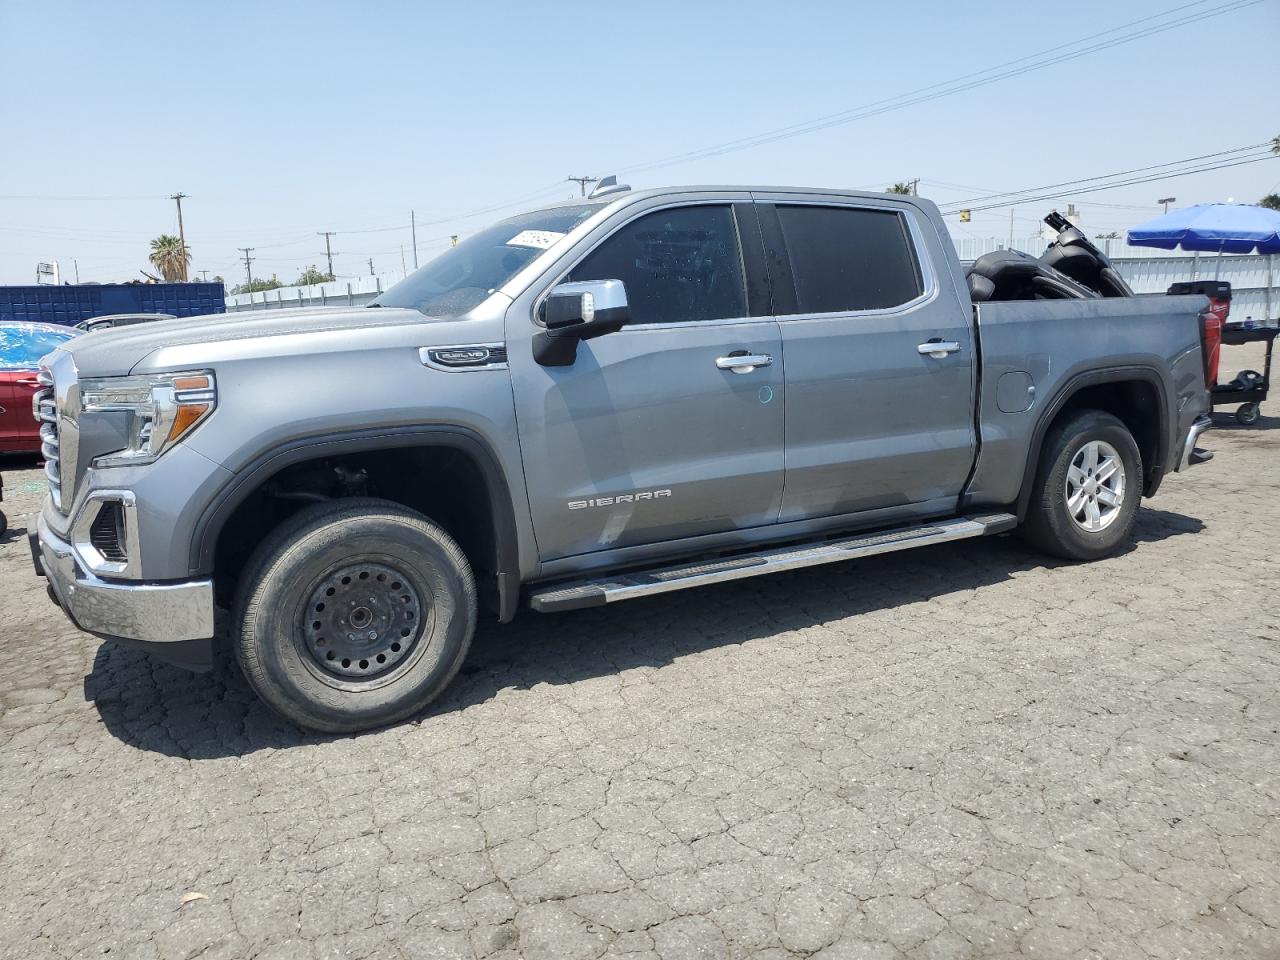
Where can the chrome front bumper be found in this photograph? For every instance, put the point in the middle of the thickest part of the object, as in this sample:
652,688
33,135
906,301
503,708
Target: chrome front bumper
1191,455
149,612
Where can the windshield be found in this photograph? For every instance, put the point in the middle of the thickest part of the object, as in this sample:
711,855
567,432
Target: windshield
463,276
22,347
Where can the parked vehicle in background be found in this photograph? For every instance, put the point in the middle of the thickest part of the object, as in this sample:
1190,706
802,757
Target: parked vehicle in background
121,320
613,398
21,347
71,303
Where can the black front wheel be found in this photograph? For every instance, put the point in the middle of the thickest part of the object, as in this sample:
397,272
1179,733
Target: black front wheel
355,614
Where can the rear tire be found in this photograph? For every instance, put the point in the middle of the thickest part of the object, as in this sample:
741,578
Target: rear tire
354,614
1085,499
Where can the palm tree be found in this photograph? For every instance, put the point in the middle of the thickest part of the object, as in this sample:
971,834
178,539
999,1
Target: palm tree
900,188
169,257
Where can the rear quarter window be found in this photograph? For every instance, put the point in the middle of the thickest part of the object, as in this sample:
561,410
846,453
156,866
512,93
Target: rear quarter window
845,259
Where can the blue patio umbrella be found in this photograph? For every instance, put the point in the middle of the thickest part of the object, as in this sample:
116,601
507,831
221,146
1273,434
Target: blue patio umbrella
1212,228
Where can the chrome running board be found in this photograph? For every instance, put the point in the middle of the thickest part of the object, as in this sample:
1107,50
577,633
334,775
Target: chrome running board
645,583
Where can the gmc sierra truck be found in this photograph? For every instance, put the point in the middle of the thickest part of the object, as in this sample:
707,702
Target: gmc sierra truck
640,392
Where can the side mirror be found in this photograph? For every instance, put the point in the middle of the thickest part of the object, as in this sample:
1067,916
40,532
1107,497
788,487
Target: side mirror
580,310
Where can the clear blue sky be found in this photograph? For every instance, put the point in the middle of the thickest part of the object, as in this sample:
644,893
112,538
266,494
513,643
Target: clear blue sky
281,119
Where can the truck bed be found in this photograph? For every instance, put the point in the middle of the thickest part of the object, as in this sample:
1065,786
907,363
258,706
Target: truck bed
1034,351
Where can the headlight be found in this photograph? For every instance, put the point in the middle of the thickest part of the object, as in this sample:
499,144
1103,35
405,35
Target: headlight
161,409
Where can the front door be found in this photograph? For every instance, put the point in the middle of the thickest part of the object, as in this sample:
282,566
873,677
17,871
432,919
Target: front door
652,435
876,421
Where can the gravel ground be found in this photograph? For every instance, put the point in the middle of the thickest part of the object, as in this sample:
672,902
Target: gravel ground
964,751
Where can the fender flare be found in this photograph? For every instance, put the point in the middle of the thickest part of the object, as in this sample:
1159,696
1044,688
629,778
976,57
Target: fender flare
213,517
1092,378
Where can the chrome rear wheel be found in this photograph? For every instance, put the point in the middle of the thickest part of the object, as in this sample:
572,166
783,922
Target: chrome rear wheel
1084,498
1095,486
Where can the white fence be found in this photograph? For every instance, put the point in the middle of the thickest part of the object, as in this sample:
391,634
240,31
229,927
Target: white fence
337,293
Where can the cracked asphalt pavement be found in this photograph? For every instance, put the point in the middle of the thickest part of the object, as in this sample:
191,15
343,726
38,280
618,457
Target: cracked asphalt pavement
963,751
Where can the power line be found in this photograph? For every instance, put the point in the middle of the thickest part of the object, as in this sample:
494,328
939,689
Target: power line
83,196
1204,168
1107,176
581,182
956,85
991,190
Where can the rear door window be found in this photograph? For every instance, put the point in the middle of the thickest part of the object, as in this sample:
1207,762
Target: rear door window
678,265
845,259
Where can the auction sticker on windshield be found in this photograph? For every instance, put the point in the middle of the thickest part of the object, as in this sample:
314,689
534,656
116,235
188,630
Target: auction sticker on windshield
539,239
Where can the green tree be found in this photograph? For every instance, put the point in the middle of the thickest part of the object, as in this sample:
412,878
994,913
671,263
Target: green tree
904,188
258,286
1271,201
312,275
169,257
1113,235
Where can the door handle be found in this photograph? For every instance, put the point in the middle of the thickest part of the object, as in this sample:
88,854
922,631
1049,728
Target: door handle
29,381
938,349
743,362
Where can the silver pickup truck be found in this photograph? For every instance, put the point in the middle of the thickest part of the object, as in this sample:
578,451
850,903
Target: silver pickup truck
636,393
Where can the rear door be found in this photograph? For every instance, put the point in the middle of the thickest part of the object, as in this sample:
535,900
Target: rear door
875,419
650,436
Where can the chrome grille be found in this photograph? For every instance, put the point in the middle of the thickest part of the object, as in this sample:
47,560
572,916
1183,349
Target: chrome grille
45,407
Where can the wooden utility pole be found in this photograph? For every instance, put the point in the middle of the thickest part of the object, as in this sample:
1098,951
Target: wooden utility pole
328,251
371,266
582,182
182,237
248,273
413,226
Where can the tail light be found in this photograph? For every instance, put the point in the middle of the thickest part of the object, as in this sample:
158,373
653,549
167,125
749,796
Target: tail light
1211,318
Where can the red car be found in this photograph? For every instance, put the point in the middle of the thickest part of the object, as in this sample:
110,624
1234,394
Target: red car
21,347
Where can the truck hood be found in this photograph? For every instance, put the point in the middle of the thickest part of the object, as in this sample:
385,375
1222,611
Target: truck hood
115,352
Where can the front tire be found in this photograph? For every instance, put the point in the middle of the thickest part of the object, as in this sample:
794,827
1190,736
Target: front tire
354,614
1085,499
